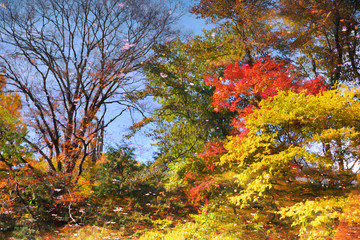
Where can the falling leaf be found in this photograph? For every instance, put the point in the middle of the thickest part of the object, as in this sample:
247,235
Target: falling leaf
117,209
3,5
163,75
127,46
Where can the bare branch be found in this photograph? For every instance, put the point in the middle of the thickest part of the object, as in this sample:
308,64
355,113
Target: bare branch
71,59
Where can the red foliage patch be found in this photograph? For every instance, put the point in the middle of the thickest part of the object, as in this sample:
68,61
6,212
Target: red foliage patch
201,192
243,87
212,152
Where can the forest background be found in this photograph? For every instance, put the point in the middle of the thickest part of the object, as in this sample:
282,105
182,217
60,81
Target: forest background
256,127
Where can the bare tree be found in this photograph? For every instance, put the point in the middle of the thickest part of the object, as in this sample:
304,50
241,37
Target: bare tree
71,59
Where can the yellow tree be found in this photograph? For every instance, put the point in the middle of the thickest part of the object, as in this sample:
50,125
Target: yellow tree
12,130
297,142
14,156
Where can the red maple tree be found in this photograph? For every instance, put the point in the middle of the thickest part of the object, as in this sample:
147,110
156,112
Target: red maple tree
242,87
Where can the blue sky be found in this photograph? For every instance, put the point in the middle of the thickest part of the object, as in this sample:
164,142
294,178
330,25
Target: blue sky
142,144
189,22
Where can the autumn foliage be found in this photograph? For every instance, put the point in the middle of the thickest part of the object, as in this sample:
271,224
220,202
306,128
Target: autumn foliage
256,130
242,87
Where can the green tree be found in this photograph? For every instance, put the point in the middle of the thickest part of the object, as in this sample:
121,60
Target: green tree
185,121
117,174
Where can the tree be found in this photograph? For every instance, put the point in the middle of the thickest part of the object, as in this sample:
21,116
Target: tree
245,29
320,37
185,121
15,156
296,134
14,151
71,60
298,144
117,174
324,38
12,131
241,88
